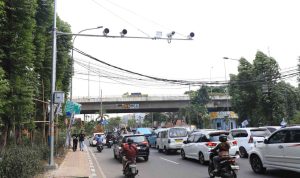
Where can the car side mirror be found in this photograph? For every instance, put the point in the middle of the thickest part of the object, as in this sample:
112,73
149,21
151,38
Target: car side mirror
266,141
184,142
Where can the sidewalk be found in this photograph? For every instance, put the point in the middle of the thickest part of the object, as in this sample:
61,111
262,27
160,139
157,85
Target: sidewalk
75,164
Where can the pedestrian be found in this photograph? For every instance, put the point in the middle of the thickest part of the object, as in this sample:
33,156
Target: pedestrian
81,140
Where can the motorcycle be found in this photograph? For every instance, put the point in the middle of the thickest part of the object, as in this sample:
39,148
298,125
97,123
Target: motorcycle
109,144
99,147
130,170
228,167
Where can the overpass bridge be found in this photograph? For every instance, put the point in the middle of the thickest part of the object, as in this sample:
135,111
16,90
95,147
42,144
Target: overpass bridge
141,104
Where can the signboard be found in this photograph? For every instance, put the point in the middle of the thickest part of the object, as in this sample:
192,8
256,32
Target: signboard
130,106
223,114
59,97
72,107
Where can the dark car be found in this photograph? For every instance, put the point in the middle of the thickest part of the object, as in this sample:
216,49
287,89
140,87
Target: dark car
138,139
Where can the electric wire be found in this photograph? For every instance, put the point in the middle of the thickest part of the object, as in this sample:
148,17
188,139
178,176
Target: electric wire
287,74
143,17
116,15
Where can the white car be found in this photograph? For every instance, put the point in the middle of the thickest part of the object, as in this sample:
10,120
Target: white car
171,139
281,150
246,137
271,128
199,144
92,140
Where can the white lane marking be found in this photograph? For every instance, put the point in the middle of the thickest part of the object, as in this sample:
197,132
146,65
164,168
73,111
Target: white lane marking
168,160
98,166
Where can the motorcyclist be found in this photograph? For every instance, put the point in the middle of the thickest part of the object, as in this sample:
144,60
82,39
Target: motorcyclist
223,152
129,151
99,139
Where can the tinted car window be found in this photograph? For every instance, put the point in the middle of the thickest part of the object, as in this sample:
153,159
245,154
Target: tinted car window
260,132
239,133
191,139
177,132
197,138
136,139
271,129
294,136
214,137
279,137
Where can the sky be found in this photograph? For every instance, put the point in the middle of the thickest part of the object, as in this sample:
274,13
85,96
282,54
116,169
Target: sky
223,28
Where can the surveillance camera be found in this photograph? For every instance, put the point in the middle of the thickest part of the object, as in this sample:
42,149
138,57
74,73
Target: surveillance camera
105,31
123,32
191,35
169,35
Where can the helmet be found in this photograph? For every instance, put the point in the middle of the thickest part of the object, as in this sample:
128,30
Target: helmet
129,141
222,138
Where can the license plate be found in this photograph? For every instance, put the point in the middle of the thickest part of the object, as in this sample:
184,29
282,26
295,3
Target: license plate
235,167
138,147
178,141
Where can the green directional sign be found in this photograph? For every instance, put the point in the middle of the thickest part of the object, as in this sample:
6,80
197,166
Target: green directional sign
72,107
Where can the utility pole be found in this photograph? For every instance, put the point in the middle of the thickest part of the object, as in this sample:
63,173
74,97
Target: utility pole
89,81
51,116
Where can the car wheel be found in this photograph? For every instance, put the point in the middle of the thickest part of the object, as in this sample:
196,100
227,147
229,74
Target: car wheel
257,165
182,153
146,158
201,158
243,152
166,151
159,150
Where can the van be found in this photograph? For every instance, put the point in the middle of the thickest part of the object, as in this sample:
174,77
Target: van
171,139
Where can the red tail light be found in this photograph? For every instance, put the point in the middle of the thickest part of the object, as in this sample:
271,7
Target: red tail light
250,139
211,144
146,143
234,142
232,161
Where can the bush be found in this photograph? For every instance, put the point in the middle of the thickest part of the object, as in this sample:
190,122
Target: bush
20,161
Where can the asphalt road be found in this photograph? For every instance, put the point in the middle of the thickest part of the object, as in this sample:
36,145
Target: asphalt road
161,165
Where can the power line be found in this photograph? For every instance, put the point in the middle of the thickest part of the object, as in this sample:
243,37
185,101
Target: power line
116,15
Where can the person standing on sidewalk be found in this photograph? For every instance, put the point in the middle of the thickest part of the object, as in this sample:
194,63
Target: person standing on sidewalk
81,140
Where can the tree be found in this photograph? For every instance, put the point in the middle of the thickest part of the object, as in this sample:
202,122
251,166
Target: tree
243,91
157,117
131,123
258,95
114,122
197,113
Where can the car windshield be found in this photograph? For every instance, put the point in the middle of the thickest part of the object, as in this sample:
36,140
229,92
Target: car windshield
137,139
177,132
260,132
214,137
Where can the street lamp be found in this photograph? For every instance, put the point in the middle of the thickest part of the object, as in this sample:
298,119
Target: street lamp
71,84
226,92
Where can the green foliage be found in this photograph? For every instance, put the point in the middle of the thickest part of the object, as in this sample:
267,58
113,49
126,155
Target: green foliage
258,96
3,91
157,117
114,122
16,162
89,127
131,123
26,60
296,118
197,113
